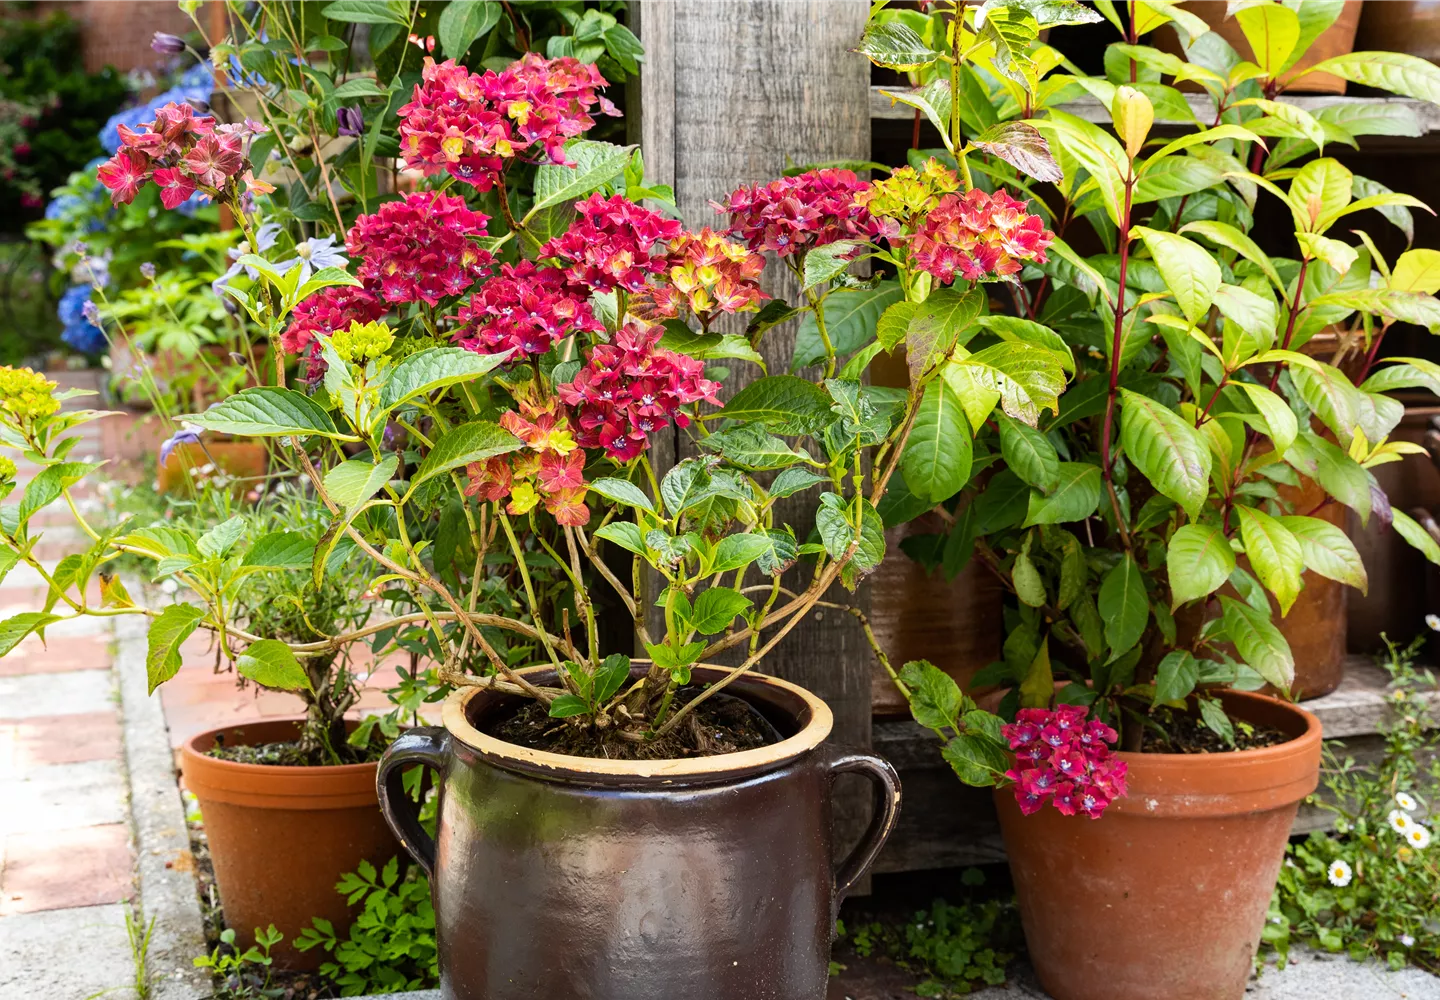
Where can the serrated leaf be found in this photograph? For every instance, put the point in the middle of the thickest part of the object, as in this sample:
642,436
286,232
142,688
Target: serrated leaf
567,705
1023,147
716,608
625,534
472,442
269,411
935,699
738,551
281,550
221,538
895,45
271,664
432,369
1029,379
168,631
1199,560
599,162
17,627
355,481
622,491
790,404
792,481
827,262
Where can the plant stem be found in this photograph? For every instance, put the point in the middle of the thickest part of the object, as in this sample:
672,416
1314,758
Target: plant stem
1116,346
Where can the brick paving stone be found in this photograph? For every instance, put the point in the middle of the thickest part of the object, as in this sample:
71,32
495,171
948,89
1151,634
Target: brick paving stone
63,797
66,954
73,692
56,869
58,654
58,739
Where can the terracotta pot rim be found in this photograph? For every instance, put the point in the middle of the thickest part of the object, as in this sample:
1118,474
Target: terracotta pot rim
1296,746
815,721
273,786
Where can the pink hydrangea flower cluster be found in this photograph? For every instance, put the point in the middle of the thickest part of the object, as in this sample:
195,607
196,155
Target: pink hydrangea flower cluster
551,469
711,274
328,310
525,309
978,235
472,124
181,152
1063,759
631,387
795,214
419,249
609,245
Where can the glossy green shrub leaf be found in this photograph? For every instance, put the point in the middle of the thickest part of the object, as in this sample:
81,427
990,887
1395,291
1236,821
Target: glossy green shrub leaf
1123,605
1166,449
1259,642
1327,550
1198,560
1190,272
1076,496
937,457
1029,454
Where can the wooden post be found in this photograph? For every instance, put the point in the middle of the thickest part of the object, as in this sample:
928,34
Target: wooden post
729,90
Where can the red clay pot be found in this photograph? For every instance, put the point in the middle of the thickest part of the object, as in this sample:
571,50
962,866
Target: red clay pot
1166,894
281,837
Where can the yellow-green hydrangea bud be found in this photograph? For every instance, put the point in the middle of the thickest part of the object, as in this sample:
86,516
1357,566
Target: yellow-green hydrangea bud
908,192
7,469
26,393
362,343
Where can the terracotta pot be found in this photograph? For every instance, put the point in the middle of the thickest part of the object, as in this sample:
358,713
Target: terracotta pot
281,837
1165,895
247,460
557,876
1336,40
1408,26
955,624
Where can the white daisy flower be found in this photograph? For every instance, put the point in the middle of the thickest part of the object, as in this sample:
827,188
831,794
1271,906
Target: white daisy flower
1339,873
1433,621
1399,821
1418,836
1408,940
1406,801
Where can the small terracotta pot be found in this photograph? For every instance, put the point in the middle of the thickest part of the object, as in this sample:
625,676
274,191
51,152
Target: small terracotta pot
558,877
1166,894
1408,26
281,837
246,460
1336,40
955,624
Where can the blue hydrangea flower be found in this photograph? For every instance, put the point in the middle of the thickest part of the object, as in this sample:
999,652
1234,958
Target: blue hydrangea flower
81,334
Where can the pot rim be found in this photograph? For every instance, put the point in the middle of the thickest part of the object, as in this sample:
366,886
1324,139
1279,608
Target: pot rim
189,750
274,786
815,726
1297,745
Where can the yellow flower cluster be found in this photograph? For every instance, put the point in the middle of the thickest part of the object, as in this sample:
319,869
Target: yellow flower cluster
908,192
26,394
362,343
7,469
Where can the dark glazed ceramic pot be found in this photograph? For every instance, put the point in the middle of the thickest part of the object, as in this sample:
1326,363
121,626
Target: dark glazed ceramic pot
695,879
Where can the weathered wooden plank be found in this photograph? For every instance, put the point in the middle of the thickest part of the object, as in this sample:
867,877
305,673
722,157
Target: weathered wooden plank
1428,115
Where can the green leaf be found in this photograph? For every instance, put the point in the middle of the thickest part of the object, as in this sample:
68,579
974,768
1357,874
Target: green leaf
1228,236
623,491
850,318
780,555
895,45
1278,417
1417,271
1189,271
597,162
1028,378
472,442
435,368
1417,536
707,346
738,551
1123,605
1014,329
281,550
1029,587
1023,147
894,322
935,698
1327,550
48,484
1331,396
937,457
355,481
716,608
359,87
1320,188
462,22
1166,450
1176,676
792,481
167,631
933,100
1029,454
221,538
625,534
837,532
613,673
1334,253
1011,30
754,449
17,627
937,324
825,263
1199,560
369,11
1038,686
1075,497
567,705
1259,642
977,760
1392,71
271,664
790,404
1274,553
268,411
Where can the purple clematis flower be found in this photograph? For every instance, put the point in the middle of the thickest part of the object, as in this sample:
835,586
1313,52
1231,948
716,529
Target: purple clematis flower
350,120
185,435
167,44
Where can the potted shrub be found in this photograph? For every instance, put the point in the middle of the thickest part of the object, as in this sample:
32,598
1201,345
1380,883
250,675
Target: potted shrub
1114,523
665,815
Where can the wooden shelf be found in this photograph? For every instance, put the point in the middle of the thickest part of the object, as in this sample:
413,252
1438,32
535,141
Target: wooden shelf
945,824
1427,115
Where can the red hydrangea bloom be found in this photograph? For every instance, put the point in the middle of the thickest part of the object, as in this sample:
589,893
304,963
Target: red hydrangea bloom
182,151
328,310
551,469
630,388
1064,758
471,124
713,275
419,249
795,214
525,309
977,235
609,246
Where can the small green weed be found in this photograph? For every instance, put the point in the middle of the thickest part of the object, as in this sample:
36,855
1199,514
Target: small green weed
243,975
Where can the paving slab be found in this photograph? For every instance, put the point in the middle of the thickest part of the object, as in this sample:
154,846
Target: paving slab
56,654
66,954
72,693
61,869
64,797
26,744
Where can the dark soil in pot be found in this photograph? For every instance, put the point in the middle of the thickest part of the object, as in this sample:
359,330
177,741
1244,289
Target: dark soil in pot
295,753
721,724
1185,732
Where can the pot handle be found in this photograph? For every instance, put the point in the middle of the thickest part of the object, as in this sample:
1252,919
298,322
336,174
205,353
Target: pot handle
427,745
882,823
